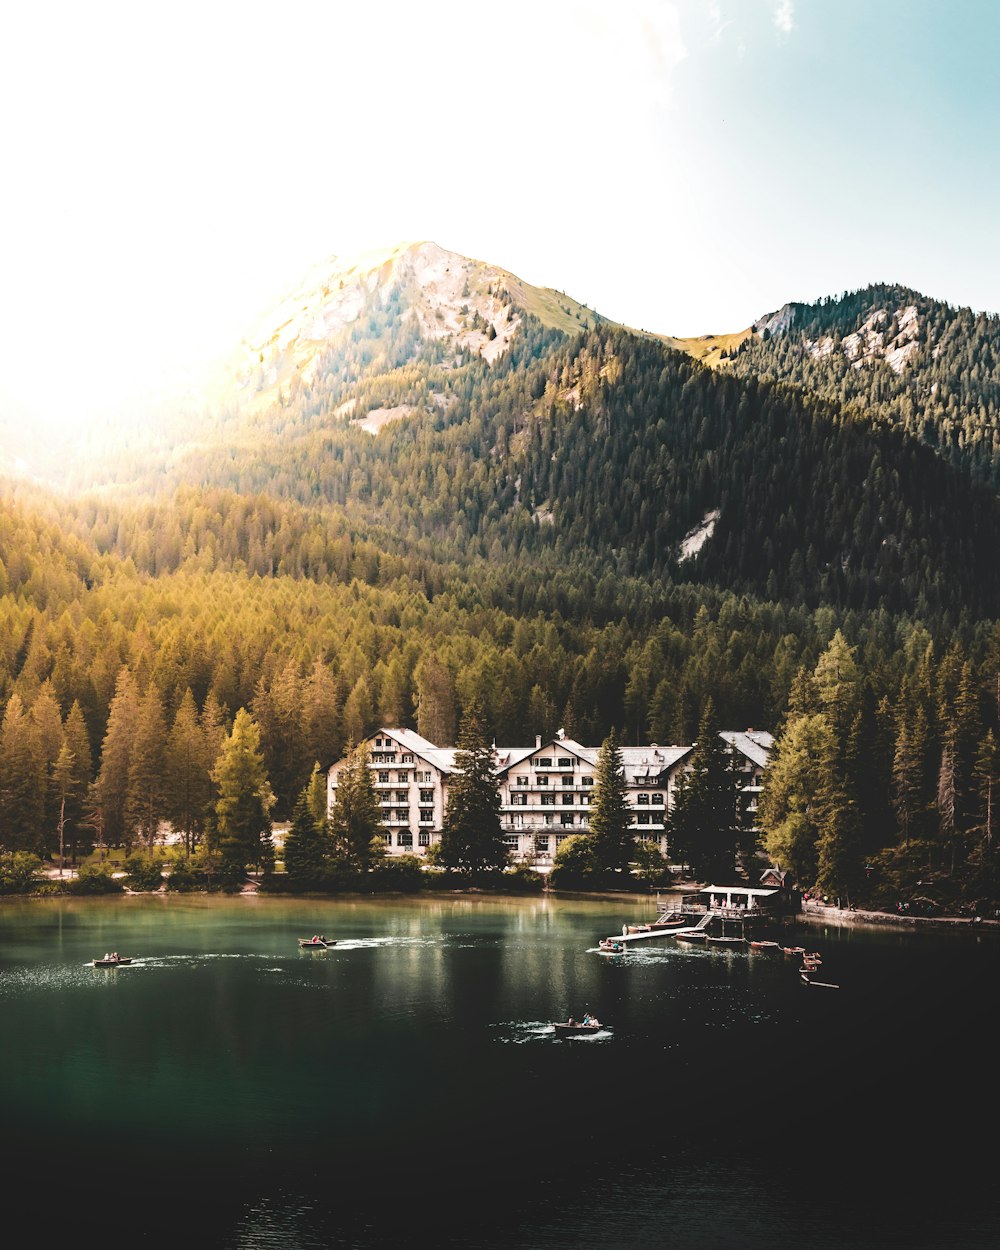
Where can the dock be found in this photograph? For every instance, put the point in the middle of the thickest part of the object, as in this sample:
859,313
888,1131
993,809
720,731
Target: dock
661,933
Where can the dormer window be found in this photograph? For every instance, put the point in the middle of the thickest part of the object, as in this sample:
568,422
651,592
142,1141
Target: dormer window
546,763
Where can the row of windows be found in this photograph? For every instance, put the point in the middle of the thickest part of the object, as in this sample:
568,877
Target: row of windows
542,780
404,837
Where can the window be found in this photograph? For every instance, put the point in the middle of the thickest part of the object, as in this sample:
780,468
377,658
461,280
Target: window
386,835
567,799
519,800
541,842
658,798
568,781
547,819
402,796
402,815
404,838
587,781
543,763
565,763
426,796
566,818
548,800
643,798
643,818
511,840
522,781
423,838
584,800
407,759
383,779
541,781
423,776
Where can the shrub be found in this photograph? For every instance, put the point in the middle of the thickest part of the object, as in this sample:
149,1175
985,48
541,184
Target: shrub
94,879
17,872
144,872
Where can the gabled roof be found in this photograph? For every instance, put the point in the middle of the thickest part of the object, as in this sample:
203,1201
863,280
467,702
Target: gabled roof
647,764
507,757
408,738
755,744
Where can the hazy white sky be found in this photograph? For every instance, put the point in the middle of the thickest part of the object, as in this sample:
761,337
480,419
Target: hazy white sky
168,170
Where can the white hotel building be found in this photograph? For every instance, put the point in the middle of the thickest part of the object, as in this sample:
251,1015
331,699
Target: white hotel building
545,790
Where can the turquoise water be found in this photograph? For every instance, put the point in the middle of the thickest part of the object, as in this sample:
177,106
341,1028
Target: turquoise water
406,1087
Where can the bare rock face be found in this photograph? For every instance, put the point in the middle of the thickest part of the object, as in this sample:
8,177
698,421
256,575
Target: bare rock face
779,322
444,295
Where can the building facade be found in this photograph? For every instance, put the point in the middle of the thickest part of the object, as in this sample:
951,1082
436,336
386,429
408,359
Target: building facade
546,790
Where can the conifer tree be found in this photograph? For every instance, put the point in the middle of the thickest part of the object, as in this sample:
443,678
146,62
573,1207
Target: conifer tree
145,796
77,740
612,840
22,782
704,823
187,763
471,836
116,758
243,809
308,843
356,817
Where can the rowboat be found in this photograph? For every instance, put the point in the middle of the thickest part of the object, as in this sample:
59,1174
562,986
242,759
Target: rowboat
112,961
317,943
577,1028
764,946
609,946
692,937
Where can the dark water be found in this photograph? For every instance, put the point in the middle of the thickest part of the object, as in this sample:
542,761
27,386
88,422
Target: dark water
404,1088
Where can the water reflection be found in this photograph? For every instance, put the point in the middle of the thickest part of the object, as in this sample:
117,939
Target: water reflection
412,1070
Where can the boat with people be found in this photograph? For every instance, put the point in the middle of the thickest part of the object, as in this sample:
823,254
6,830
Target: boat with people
609,946
577,1028
317,942
112,959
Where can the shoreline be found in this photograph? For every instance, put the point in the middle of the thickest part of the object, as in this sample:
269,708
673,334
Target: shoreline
813,911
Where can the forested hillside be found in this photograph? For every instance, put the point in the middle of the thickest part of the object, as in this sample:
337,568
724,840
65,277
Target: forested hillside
415,519
893,356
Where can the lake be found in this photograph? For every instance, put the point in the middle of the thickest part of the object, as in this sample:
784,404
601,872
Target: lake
405,1087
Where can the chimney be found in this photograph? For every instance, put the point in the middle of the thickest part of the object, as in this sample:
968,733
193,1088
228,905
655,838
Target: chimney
538,741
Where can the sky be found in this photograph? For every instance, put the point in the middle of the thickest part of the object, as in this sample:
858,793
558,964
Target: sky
169,171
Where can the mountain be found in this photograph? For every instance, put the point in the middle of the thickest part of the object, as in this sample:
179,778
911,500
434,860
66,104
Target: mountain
430,403
436,297
894,357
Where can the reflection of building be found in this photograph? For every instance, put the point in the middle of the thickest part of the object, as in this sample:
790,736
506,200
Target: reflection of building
546,790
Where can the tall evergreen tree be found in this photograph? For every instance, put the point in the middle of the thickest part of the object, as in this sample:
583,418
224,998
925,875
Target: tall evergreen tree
471,837
612,839
22,782
76,832
243,833
145,798
308,844
188,788
116,759
704,822
356,817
